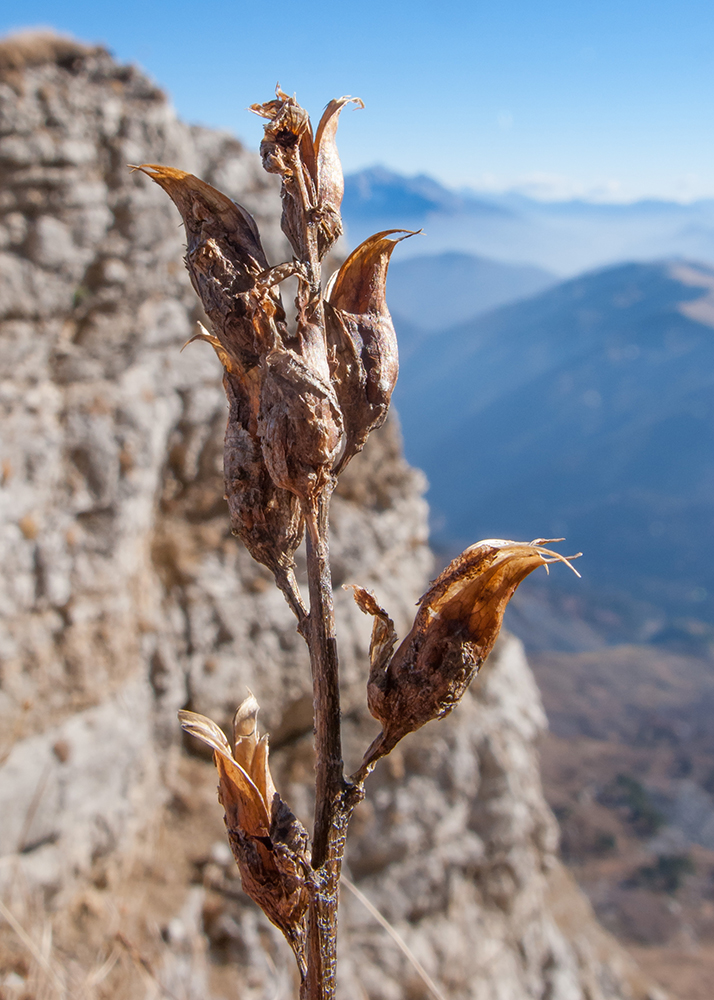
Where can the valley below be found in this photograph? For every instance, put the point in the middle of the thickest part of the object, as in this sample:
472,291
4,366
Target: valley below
628,769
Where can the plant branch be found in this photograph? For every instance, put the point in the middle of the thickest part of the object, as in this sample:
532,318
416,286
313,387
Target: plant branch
330,815
287,584
301,405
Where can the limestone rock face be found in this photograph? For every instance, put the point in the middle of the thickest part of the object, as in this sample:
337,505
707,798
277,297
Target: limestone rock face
125,598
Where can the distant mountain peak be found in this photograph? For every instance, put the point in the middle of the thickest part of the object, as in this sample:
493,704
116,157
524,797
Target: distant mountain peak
435,291
565,237
378,191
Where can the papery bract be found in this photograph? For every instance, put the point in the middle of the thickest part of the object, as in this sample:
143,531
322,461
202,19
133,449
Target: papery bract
455,627
362,340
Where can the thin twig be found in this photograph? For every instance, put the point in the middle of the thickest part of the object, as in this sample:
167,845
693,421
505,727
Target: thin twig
31,946
32,809
286,582
397,938
143,963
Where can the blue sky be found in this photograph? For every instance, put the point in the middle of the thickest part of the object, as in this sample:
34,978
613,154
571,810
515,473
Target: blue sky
611,100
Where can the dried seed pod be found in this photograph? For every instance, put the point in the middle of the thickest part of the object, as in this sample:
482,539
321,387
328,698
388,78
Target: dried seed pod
287,149
300,427
288,126
362,340
230,273
454,630
330,179
266,518
300,421
225,259
269,844
310,169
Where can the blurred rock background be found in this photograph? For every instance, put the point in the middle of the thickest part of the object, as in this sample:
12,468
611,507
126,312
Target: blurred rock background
124,598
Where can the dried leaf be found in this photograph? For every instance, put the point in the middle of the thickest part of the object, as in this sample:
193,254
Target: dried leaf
261,770
245,730
250,749
454,630
225,259
384,634
207,212
206,730
361,336
239,795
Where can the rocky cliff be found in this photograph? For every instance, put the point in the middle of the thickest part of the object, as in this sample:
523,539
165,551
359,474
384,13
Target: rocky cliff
124,598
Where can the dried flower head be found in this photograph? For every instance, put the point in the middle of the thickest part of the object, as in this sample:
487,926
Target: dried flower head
454,630
269,844
310,169
301,403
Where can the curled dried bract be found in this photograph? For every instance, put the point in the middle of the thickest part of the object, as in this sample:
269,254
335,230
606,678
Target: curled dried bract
224,260
454,630
362,340
269,844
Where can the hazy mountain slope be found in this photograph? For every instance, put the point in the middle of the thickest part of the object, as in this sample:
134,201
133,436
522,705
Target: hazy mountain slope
587,412
439,290
565,237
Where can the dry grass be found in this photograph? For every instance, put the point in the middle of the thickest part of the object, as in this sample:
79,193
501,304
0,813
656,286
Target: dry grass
25,49
113,937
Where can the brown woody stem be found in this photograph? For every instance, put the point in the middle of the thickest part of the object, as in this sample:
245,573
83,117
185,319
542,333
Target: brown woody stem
335,798
325,679
329,783
286,582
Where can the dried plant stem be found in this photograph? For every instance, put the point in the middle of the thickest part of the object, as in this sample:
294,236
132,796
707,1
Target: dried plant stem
325,680
301,405
334,797
287,584
397,938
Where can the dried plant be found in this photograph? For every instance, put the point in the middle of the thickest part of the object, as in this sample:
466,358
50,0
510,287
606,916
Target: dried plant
302,403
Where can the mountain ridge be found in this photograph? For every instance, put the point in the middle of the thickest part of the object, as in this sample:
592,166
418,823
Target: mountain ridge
565,237
589,409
